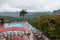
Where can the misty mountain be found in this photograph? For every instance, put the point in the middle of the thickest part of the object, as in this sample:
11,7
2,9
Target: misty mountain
29,14
56,11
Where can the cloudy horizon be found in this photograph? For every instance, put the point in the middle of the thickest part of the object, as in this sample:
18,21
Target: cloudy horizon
30,5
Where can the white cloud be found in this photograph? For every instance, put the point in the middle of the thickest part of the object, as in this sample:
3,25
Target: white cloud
7,7
52,6
32,5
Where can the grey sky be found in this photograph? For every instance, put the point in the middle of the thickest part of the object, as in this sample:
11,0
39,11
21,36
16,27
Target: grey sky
30,5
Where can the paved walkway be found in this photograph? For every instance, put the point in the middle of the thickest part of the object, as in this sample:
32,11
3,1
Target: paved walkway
17,38
20,38
44,37
23,38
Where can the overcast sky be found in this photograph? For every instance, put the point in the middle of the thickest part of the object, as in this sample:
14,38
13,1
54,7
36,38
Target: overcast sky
30,5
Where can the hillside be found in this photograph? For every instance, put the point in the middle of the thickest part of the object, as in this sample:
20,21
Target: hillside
56,11
16,14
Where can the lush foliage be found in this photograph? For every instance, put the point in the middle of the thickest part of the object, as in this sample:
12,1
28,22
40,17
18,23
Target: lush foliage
8,19
49,24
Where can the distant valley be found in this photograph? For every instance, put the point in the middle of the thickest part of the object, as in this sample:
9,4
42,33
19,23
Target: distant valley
16,14
29,14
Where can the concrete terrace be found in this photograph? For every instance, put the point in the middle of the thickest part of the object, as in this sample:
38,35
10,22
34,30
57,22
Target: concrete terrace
20,31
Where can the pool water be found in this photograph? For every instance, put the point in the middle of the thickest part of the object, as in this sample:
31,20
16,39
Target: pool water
14,25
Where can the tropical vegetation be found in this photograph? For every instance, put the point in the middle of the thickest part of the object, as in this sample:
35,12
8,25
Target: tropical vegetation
23,13
49,24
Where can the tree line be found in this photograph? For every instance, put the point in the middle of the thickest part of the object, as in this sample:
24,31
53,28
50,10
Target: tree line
49,24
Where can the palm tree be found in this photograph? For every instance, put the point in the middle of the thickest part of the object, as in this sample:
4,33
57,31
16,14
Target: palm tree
23,13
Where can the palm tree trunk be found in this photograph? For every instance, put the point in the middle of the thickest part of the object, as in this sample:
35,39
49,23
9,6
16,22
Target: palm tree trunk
24,18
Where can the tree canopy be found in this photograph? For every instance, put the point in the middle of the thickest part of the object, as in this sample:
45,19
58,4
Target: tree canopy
49,24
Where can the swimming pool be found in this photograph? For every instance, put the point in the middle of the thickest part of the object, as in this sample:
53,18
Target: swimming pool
14,25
